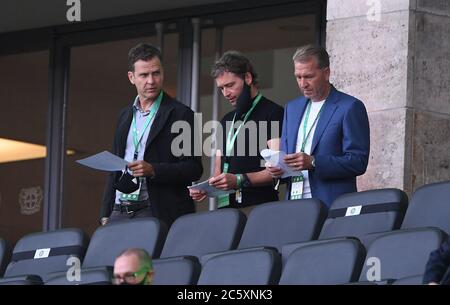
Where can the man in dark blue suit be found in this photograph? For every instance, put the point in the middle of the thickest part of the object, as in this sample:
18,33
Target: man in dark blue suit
437,270
325,133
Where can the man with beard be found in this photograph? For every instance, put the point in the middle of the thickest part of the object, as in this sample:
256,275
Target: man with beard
239,165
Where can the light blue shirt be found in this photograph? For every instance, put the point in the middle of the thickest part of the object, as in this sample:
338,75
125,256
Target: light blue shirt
141,117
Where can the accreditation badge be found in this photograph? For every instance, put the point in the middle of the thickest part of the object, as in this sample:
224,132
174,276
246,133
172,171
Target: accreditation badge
296,187
238,196
224,200
132,196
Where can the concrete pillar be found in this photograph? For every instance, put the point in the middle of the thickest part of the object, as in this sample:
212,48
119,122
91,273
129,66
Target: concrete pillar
394,55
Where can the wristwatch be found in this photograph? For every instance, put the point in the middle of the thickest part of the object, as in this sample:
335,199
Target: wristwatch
245,181
313,162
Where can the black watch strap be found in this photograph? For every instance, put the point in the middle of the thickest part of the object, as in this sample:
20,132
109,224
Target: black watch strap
245,181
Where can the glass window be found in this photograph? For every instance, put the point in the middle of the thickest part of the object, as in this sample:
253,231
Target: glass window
23,121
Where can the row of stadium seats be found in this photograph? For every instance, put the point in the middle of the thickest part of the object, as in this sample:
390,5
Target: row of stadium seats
295,242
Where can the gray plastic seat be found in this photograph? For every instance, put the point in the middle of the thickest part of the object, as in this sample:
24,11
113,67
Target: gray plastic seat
275,224
429,207
176,271
331,262
37,255
401,253
205,232
373,211
95,276
242,267
410,280
109,241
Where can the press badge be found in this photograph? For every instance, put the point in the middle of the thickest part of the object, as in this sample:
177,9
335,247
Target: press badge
238,196
132,196
223,201
297,187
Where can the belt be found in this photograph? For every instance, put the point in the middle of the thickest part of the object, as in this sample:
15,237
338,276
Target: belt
130,208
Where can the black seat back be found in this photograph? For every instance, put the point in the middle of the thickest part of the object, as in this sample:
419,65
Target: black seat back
357,214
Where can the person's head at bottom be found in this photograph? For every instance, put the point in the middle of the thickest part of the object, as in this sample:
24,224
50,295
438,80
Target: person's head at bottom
133,267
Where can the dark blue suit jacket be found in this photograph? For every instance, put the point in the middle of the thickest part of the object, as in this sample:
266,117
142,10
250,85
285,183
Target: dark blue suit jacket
340,144
438,266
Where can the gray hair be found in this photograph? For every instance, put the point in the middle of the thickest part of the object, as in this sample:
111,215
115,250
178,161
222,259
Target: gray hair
305,53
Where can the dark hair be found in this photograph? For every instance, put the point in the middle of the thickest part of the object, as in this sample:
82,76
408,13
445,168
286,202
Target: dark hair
142,51
305,53
234,62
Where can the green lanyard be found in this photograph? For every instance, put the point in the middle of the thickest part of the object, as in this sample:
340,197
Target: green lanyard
231,138
138,137
305,124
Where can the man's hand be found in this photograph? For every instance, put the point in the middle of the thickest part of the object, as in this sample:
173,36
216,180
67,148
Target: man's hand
104,221
197,195
275,172
141,168
224,182
299,161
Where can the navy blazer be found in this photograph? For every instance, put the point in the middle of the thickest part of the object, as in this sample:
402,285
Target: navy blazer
437,269
168,191
340,145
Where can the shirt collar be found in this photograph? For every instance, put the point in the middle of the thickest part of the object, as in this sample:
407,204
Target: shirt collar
137,107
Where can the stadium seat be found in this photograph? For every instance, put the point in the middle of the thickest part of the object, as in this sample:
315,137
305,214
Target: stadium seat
205,232
361,213
410,280
176,271
242,267
429,207
336,261
37,255
5,255
400,254
109,241
100,276
275,224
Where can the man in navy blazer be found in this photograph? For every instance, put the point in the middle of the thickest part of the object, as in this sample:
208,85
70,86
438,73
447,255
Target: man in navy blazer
437,270
325,133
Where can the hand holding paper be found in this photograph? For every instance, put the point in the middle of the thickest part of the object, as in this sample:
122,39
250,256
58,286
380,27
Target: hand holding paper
105,161
197,195
276,159
210,190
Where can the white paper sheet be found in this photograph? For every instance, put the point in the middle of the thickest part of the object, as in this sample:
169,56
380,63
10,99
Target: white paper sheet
210,190
276,159
104,161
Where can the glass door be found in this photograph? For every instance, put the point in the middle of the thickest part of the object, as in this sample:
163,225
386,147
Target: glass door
23,121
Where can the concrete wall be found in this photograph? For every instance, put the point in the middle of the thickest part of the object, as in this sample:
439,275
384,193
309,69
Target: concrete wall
430,131
394,56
